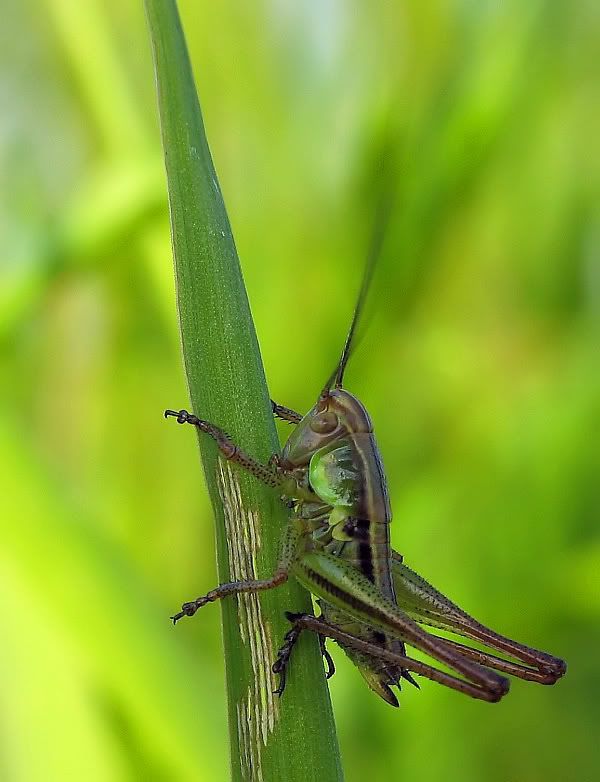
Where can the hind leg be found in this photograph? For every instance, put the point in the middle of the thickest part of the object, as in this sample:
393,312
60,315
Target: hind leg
289,641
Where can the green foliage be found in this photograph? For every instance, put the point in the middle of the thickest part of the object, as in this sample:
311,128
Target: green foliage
479,367
227,384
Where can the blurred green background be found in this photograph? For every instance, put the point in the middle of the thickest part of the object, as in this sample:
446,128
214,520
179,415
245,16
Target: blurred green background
480,365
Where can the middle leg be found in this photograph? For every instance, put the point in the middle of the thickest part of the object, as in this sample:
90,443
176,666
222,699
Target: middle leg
288,551
232,588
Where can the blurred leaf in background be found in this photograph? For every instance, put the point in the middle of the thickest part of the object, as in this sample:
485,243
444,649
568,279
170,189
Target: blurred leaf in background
480,366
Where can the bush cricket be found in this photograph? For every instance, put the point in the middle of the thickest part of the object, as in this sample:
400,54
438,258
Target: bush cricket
337,545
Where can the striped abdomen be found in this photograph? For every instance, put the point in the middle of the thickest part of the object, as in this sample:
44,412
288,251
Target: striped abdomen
348,476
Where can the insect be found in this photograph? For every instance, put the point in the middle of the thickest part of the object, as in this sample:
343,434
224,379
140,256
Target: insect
337,545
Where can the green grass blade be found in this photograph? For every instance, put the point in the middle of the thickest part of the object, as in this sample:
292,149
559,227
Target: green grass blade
270,740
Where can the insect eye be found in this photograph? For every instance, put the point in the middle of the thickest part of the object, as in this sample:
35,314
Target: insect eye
324,423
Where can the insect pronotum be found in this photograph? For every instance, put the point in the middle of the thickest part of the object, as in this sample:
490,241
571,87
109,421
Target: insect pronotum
337,545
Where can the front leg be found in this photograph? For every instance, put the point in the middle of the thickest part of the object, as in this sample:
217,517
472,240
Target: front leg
279,411
272,474
229,449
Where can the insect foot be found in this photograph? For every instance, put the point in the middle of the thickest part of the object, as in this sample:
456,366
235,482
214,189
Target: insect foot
498,689
189,609
182,416
551,672
283,655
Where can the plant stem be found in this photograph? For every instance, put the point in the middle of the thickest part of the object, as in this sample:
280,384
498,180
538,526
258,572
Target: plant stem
270,740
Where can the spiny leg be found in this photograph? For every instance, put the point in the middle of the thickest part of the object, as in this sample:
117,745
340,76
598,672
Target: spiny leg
338,582
272,474
427,605
279,411
269,475
506,666
232,588
323,628
283,656
289,641
287,553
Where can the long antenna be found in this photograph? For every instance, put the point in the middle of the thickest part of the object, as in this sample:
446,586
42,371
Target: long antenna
382,215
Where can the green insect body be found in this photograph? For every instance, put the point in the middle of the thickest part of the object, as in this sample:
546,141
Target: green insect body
337,545
351,521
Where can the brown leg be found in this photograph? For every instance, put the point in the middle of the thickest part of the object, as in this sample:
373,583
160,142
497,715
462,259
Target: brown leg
289,641
233,588
481,692
328,577
428,606
506,666
287,553
269,475
279,411
283,657
327,657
